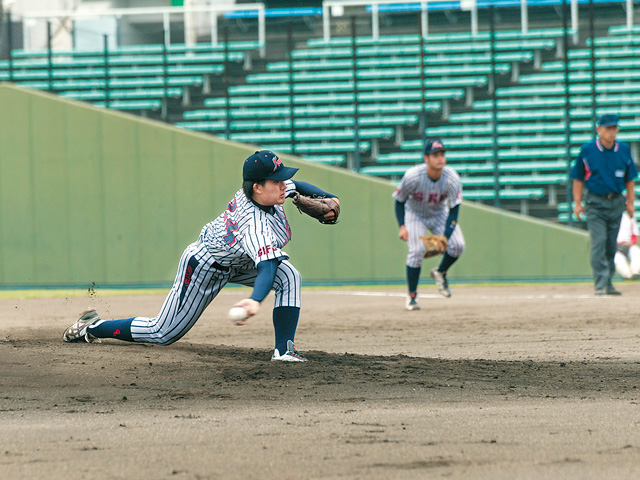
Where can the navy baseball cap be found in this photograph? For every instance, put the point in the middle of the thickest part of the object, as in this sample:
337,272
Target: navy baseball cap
265,165
433,146
608,120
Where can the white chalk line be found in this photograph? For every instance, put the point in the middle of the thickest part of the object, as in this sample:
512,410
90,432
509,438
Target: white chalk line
361,293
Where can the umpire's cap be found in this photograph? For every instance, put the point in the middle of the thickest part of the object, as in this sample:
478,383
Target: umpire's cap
608,120
265,165
433,146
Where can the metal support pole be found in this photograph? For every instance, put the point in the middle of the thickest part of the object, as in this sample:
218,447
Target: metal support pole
474,19
10,44
567,108
105,43
424,19
49,58
574,20
326,18
291,103
165,71
356,127
592,52
214,28
494,111
629,14
375,22
524,16
166,25
227,128
262,33
423,87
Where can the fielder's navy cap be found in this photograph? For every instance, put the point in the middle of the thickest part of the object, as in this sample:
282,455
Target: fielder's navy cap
433,146
265,165
608,120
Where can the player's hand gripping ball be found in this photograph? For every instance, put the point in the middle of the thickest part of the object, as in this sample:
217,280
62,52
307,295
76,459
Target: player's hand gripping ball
434,245
238,315
324,209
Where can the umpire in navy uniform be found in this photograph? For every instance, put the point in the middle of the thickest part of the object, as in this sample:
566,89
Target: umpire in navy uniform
605,167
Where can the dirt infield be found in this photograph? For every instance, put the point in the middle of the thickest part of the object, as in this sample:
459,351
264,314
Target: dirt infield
495,383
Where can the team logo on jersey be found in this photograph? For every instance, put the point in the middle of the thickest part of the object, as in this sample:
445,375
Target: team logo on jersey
276,163
231,206
231,227
418,196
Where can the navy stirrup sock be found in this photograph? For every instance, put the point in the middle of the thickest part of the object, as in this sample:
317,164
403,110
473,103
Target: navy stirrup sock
285,321
447,261
120,329
413,276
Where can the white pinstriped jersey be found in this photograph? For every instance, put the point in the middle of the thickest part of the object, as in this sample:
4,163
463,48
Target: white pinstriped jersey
244,234
426,198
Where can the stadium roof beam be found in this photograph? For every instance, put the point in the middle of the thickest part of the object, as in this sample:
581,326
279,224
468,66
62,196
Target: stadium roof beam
165,12
471,5
328,4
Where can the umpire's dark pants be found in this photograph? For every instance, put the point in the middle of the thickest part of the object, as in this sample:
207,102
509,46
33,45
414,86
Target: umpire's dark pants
603,221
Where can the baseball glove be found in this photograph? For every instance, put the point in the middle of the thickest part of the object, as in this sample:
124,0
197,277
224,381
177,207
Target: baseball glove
324,209
435,244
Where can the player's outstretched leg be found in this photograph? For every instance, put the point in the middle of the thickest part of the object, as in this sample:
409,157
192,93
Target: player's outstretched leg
91,328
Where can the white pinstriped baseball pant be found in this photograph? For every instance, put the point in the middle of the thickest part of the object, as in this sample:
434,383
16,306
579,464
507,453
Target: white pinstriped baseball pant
417,227
197,283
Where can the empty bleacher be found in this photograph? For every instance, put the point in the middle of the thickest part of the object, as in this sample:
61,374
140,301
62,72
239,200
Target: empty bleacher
384,94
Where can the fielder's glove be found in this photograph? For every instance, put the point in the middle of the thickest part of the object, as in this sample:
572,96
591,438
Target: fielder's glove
324,209
435,245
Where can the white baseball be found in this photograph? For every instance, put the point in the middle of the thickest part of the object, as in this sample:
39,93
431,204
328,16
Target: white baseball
237,314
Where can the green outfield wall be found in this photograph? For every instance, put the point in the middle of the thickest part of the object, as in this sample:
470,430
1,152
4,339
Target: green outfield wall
95,196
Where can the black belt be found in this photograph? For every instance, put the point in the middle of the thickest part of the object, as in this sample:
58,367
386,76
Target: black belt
608,196
220,267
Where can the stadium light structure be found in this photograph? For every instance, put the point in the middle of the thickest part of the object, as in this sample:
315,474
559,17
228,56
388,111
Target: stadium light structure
165,12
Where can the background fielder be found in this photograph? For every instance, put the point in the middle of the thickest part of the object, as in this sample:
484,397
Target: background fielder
627,257
429,197
243,245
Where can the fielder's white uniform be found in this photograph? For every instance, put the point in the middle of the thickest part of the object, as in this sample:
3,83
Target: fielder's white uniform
227,250
627,258
427,205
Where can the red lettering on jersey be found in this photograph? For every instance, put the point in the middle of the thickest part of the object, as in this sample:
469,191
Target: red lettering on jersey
265,250
187,276
433,198
232,205
418,196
